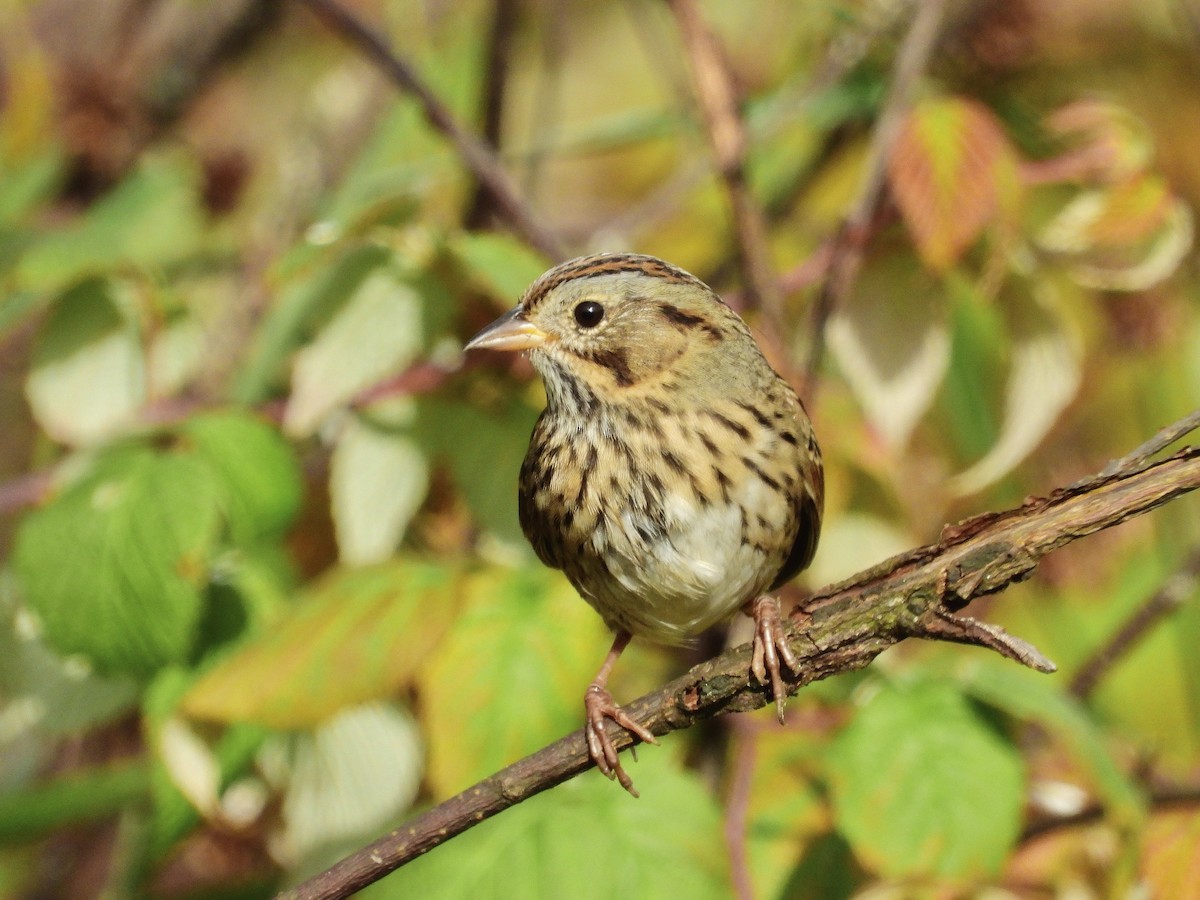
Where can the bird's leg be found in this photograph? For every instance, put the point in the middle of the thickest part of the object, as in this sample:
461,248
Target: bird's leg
598,704
770,645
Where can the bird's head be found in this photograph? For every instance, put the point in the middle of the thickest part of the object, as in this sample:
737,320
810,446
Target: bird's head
614,322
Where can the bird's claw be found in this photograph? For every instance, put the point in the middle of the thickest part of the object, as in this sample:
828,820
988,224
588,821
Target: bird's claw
599,705
770,645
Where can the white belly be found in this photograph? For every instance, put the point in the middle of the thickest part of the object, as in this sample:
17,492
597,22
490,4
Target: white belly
687,576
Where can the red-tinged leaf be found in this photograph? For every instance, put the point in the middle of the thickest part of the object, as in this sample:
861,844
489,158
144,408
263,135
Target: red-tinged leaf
359,635
952,171
1108,143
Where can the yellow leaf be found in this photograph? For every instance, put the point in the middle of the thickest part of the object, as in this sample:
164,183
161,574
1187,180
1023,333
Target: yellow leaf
952,172
358,635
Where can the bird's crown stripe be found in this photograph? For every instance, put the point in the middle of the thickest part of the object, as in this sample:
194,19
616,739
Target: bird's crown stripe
607,264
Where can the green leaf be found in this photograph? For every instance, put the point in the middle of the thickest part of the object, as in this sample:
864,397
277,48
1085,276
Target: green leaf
115,567
1034,697
510,676
370,521
484,452
151,219
375,333
584,839
88,376
1044,375
301,307
922,786
27,184
255,470
57,696
498,263
979,335
83,796
357,635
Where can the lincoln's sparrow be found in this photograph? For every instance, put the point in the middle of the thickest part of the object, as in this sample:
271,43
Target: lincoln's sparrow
673,475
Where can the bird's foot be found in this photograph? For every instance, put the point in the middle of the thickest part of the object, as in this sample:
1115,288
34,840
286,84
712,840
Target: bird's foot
599,705
770,646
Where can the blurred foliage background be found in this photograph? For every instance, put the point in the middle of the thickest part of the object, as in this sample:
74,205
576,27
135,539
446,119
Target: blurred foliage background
264,592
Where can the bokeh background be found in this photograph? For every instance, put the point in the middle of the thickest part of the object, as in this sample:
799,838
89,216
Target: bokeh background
264,593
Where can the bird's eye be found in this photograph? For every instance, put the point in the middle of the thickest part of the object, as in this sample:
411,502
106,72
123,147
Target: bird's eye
589,314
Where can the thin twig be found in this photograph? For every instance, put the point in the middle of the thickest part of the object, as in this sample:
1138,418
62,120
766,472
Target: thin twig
1157,799
1168,598
1155,445
717,93
843,628
737,805
850,242
495,81
26,490
478,157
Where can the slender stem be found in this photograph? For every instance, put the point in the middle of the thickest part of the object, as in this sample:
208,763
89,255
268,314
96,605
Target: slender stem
1168,598
717,94
850,242
478,157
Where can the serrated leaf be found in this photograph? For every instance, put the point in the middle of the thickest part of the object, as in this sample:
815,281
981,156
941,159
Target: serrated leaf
88,376
1044,375
115,567
347,779
498,263
1033,697
585,839
510,676
255,469
893,347
922,786
377,480
950,169
355,636
376,333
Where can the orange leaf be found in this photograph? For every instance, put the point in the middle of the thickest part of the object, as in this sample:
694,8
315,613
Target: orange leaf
952,172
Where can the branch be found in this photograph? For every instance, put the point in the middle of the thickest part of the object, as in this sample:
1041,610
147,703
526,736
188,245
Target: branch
717,93
476,155
843,628
845,257
495,81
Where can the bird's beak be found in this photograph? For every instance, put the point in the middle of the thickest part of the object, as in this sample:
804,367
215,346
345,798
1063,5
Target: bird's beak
512,331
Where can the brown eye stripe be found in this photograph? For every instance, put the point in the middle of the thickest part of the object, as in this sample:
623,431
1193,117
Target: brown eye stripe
604,264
